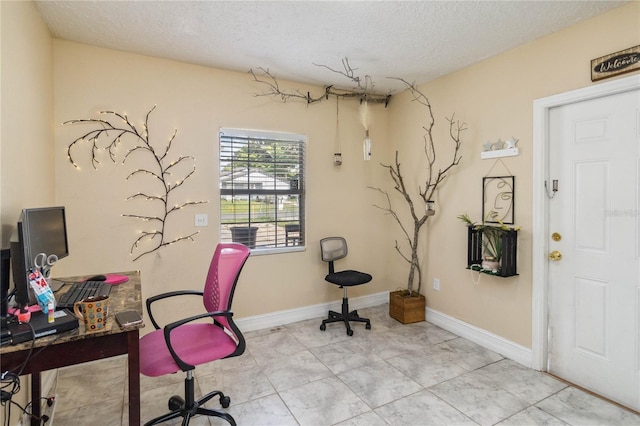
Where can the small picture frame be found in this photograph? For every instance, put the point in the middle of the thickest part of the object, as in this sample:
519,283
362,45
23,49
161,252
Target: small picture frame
498,199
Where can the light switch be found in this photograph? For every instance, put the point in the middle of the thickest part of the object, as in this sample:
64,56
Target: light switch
202,219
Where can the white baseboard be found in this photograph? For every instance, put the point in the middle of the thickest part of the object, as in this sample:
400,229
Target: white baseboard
274,319
484,338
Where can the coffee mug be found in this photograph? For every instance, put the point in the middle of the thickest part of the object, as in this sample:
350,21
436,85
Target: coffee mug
93,311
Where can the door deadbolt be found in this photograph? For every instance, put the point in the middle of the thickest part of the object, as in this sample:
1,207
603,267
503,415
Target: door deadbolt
556,236
555,255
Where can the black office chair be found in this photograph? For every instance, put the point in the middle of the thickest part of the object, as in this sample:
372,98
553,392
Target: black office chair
334,248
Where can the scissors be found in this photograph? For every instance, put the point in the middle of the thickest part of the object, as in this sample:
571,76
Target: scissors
44,263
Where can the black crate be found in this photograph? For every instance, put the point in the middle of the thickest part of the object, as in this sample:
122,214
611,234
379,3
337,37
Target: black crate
508,263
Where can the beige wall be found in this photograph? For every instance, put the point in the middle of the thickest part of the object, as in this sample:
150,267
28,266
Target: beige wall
198,101
495,98
27,177
26,131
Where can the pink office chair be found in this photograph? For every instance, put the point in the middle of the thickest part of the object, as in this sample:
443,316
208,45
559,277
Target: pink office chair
184,344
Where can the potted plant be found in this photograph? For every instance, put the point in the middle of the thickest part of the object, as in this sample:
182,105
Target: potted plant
492,238
408,305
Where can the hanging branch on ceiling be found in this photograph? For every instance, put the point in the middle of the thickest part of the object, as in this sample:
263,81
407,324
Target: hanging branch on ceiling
363,91
350,73
107,137
435,175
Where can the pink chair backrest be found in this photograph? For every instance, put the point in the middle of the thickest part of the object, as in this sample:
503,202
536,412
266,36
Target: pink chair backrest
224,271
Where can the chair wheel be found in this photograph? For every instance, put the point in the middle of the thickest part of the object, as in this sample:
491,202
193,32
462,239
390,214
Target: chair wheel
176,403
323,327
349,332
225,401
368,326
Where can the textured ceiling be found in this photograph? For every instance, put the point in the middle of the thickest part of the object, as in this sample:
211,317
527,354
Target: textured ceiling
414,40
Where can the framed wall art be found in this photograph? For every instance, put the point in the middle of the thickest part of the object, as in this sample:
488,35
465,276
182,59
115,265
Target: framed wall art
498,199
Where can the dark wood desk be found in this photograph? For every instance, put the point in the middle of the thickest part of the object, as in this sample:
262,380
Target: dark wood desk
77,346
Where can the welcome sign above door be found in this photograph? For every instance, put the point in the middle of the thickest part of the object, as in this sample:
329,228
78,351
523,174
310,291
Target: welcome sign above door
624,61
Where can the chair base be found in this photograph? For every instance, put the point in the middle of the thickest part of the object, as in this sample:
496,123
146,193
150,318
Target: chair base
190,408
346,317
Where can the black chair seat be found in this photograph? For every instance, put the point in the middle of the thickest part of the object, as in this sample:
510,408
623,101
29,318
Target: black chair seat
348,278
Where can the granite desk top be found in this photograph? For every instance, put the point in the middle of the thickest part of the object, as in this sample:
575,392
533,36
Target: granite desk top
123,297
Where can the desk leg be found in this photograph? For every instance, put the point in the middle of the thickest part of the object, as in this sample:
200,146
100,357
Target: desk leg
35,399
134,377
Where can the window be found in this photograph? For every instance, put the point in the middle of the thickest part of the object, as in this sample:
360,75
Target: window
262,189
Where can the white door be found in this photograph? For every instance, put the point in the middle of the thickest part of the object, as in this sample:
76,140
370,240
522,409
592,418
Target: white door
594,290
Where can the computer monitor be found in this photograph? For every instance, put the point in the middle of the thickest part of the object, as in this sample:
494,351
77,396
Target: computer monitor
5,261
39,230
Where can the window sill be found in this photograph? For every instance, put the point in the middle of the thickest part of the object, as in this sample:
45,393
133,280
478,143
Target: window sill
266,251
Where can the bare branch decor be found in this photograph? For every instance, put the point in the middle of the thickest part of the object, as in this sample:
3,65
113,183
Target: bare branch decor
363,90
435,176
435,173
111,130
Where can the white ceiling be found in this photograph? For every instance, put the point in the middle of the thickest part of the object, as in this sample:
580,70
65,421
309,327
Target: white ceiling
415,40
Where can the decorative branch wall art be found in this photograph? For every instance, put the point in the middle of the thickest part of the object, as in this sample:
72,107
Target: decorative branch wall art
364,89
107,134
420,205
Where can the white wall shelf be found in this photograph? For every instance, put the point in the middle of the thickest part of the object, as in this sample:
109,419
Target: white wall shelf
509,152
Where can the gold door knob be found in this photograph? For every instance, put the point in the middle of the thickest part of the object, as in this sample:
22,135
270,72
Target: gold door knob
555,255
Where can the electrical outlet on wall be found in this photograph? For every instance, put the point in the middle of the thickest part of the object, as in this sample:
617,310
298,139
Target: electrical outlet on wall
436,284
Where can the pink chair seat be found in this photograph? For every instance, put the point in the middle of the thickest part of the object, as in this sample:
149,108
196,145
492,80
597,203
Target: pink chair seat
194,343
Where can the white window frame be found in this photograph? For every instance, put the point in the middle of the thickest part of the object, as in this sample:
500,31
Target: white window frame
252,185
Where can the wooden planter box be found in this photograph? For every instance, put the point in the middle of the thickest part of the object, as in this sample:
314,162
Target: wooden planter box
406,309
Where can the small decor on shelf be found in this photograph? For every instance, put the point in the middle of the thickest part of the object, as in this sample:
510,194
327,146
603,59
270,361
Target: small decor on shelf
492,248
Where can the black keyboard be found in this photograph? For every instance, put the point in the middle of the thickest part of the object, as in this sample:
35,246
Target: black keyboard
82,290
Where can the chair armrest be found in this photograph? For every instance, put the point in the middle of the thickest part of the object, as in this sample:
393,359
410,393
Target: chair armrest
170,327
165,296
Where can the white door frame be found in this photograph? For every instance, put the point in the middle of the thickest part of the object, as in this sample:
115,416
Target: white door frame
540,231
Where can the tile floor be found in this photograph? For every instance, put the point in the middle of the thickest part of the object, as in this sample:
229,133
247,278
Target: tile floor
393,374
